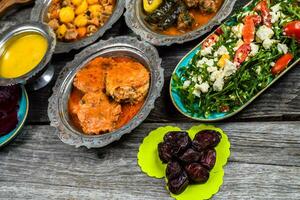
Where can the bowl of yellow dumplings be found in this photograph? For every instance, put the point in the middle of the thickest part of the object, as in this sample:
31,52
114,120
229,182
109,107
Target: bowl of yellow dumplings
77,23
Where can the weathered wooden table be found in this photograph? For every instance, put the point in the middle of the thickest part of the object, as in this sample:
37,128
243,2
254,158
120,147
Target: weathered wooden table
265,140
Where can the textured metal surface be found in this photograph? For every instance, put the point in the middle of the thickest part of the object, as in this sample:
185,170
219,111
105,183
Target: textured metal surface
29,27
120,46
134,17
39,13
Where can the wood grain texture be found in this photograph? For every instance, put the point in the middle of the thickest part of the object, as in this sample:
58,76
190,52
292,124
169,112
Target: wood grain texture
9,4
264,164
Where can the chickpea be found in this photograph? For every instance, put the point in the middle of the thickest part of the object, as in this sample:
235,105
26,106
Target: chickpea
91,2
82,8
66,14
77,2
95,10
61,31
81,20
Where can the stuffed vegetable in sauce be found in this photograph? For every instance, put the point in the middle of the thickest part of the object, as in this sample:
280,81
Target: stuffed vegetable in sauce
176,17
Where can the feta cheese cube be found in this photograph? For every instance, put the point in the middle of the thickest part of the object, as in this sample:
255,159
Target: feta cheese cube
264,33
201,62
267,44
199,79
204,87
254,49
238,30
206,51
210,62
216,75
276,8
197,92
229,68
186,84
218,85
212,69
283,48
275,16
221,51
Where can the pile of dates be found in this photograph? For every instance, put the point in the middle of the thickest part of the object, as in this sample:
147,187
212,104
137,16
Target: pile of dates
188,161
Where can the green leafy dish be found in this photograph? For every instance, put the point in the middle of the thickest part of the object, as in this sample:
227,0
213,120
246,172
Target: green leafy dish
240,60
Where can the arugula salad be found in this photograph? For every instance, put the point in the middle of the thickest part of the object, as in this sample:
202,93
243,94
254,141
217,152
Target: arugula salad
241,58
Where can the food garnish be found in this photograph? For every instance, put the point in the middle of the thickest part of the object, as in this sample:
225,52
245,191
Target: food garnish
107,94
188,161
75,19
9,97
175,17
241,58
151,5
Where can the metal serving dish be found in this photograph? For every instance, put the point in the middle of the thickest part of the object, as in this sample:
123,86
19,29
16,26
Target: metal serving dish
134,17
120,46
39,13
29,27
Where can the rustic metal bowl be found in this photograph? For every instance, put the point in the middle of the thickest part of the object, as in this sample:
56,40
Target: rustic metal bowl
29,27
39,13
120,46
134,17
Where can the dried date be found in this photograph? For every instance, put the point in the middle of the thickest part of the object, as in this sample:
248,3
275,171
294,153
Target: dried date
206,139
165,151
180,141
179,184
208,160
190,155
173,170
197,173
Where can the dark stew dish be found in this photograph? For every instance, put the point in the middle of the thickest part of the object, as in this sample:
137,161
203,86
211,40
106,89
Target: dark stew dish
176,17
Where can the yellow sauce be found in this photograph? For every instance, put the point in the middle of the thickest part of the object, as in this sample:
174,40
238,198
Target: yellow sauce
21,54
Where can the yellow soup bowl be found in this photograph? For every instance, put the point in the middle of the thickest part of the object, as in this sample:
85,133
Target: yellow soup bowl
25,51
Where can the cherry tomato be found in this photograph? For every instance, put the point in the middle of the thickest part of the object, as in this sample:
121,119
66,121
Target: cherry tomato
282,63
256,19
249,27
242,53
265,12
292,29
219,31
211,40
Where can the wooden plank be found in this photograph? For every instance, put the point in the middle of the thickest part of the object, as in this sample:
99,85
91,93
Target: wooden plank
264,164
281,102
242,181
